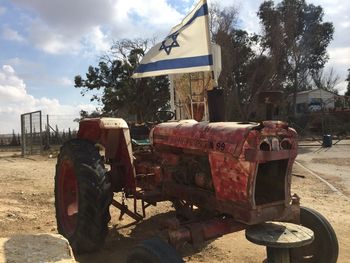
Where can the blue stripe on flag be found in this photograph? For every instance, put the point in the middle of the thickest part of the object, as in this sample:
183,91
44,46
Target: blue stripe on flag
202,11
177,63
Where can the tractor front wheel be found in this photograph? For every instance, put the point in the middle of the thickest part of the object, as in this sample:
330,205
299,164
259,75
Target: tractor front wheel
82,196
324,248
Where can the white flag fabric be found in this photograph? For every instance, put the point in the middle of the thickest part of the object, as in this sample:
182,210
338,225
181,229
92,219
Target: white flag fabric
186,49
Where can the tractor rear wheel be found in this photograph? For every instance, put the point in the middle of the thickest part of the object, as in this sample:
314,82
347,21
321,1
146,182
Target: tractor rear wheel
82,196
324,248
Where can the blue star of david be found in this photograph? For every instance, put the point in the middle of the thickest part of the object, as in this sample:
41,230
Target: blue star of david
174,43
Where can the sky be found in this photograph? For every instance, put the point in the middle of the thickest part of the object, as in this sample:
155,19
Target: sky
44,44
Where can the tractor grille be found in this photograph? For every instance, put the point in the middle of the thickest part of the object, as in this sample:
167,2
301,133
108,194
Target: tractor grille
270,185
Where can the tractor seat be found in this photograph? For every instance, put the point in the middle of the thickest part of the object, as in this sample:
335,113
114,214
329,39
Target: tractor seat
141,142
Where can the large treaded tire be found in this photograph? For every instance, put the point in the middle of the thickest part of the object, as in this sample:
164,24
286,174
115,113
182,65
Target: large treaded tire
324,248
154,250
79,166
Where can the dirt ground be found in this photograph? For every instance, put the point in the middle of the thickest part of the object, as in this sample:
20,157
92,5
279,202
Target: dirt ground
27,207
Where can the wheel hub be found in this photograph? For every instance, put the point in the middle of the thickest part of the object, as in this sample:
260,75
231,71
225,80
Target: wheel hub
69,194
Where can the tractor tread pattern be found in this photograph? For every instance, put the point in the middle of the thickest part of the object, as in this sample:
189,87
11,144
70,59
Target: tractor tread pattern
325,237
95,195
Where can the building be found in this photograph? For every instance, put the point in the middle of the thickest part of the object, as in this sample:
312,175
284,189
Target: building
313,101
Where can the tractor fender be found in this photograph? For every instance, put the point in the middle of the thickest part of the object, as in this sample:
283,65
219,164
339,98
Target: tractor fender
114,135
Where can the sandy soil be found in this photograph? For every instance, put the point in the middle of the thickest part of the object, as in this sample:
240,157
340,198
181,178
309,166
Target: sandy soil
332,164
27,206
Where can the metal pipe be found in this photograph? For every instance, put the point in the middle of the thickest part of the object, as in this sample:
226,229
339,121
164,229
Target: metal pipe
203,231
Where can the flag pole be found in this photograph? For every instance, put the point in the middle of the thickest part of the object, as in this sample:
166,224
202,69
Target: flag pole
216,105
207,25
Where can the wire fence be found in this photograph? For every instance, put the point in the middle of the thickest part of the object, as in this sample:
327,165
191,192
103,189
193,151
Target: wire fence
40,132
59,128
31,130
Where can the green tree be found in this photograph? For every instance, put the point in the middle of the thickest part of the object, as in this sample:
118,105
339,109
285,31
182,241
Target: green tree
246,70
57,135
347,93
13,141
120,94
69,134
85,114
297,38
63,136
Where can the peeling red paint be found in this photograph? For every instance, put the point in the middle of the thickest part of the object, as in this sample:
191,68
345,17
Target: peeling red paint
211,165
233,152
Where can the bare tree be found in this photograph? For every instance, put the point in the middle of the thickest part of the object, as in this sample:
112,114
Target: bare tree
221,20
325,80
121,49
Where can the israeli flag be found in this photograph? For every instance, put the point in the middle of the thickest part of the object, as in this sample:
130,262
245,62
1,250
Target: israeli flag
186,49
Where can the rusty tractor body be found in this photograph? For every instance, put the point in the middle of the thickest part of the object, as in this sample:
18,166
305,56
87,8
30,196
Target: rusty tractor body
222,177
239,169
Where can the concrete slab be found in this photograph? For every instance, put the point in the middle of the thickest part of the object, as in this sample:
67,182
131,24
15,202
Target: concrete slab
36,248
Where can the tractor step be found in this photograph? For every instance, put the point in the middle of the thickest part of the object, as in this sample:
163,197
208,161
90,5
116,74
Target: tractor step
147,199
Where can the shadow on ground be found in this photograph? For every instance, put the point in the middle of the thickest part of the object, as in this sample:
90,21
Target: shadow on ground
121,240
310,149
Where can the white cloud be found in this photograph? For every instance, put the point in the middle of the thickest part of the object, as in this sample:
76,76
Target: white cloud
345,24
14,101
340,55
10,34
339,60
51,41
71,26
14,61
2,10
342,87
157,13
98,40
87,107
67,26
337,12
66,81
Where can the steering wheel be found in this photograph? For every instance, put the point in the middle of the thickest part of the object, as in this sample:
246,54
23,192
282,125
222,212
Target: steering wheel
164,115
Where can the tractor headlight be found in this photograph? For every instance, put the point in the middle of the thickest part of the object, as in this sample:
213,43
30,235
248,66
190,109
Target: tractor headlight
269,144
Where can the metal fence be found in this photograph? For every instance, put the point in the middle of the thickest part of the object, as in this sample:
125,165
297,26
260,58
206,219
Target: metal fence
31,130
58,129
40,132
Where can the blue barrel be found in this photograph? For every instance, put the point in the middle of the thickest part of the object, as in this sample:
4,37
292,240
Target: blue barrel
327,140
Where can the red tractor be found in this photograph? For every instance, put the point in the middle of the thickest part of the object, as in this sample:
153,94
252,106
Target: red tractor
221,177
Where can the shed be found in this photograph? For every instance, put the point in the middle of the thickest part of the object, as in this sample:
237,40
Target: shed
313,100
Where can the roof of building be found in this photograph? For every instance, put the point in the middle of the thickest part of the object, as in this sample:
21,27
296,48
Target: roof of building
312,90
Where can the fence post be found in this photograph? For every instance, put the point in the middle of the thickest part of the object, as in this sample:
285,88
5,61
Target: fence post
41,133
31,132
23,142
48,131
